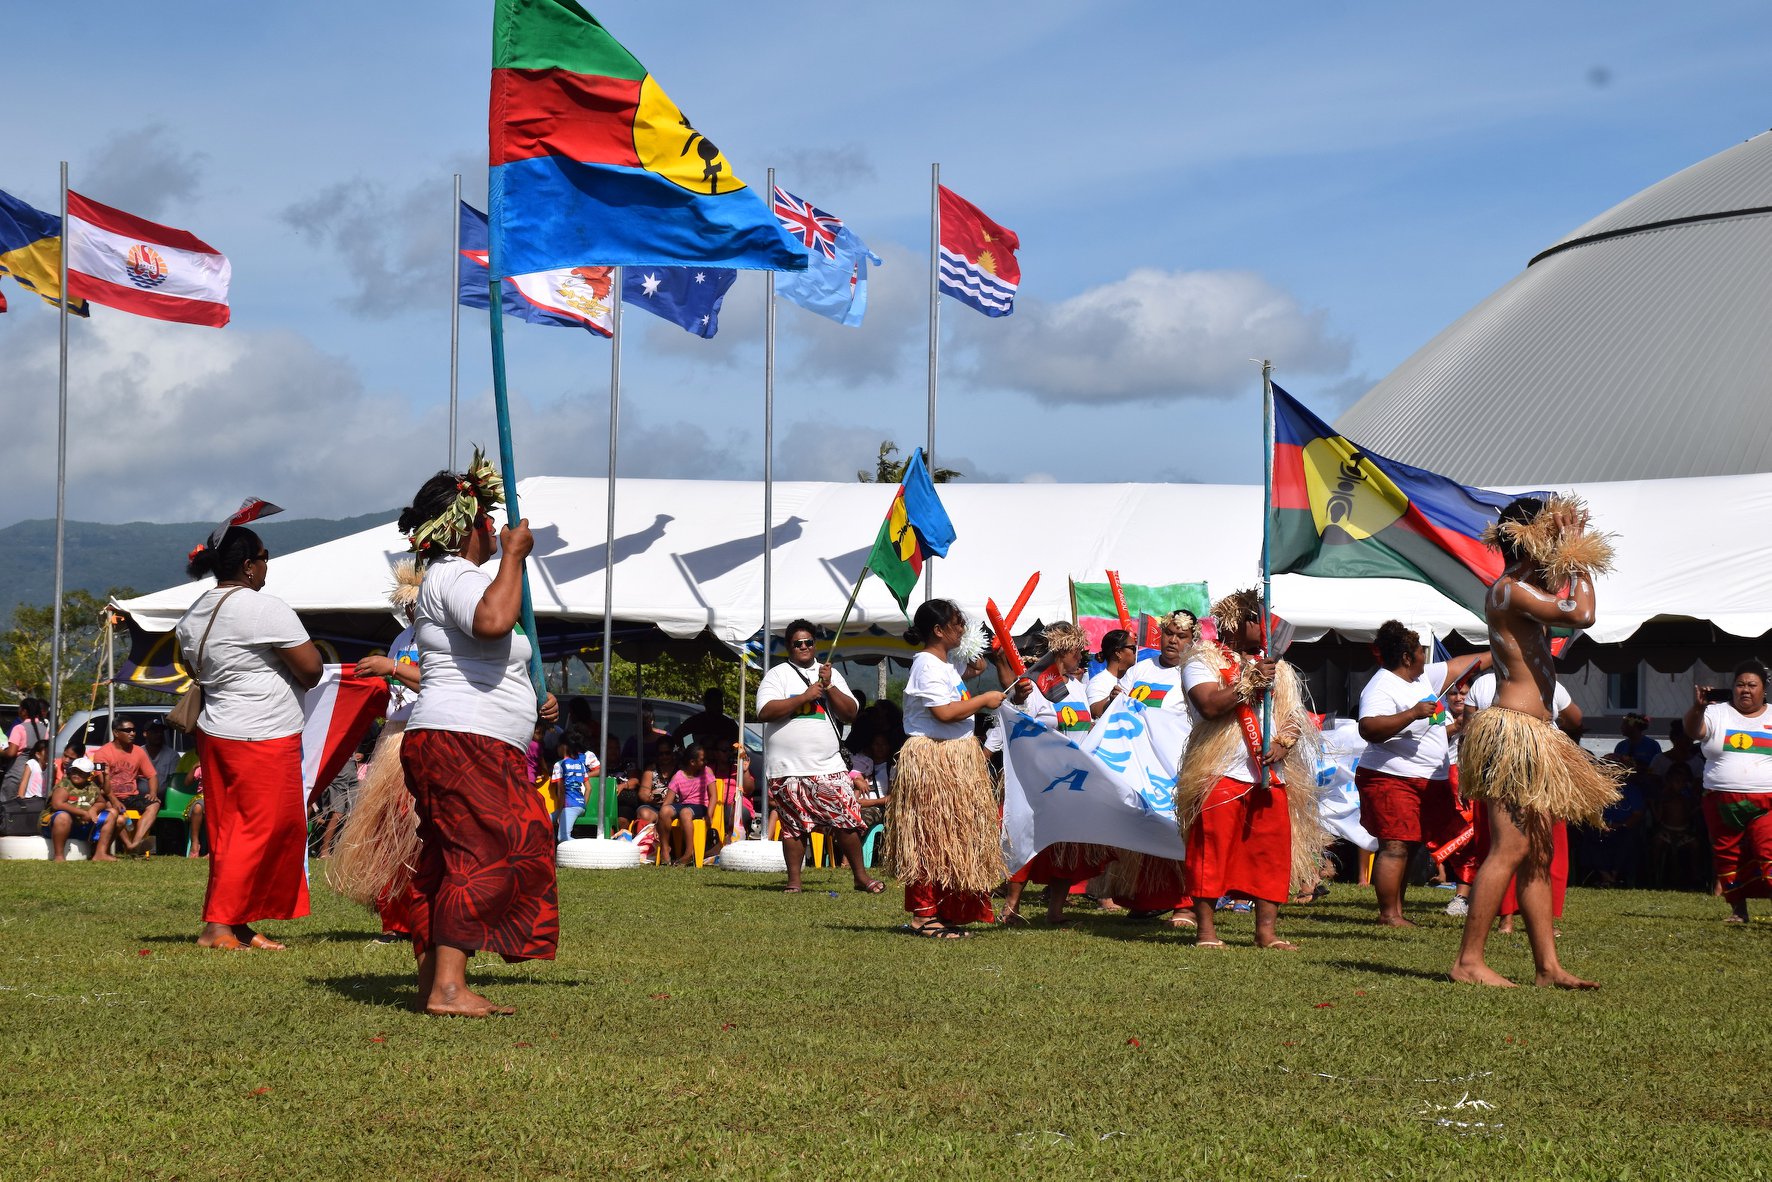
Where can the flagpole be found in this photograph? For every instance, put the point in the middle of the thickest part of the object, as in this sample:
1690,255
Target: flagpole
61,492
768,518
844,622
455,315
615,289
507,452
934,338
1267,566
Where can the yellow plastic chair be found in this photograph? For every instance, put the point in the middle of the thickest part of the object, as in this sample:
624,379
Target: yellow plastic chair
717,810
698,837
817,848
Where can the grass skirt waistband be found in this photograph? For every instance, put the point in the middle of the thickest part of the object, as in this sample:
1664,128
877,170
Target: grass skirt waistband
1513,758
377,848
941,819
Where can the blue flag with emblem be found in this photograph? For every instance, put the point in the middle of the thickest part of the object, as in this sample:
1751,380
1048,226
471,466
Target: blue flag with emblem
688,297
835,281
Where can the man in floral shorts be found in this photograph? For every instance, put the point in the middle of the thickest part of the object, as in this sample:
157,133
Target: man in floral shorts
800,703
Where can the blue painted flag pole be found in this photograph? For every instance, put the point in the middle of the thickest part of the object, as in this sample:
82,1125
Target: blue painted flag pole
507,459
1267,565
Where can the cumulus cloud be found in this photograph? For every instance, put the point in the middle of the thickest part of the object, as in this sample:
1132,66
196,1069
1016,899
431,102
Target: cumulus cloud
1152,336
897,319
144,170
394,243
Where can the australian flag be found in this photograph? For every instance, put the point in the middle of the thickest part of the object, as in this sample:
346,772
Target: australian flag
688,297
835,281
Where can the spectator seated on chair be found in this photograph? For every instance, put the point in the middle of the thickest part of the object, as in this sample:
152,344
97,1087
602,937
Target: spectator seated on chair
81,807
872,777
198,843
571,773
723,763
685,801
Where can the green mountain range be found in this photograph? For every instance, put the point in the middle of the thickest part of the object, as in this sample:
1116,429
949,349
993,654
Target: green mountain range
143,555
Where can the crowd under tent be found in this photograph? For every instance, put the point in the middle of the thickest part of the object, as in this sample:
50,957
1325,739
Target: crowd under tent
689,571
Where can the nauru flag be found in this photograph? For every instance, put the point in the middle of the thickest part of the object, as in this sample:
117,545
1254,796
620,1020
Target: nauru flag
134,265
1342,512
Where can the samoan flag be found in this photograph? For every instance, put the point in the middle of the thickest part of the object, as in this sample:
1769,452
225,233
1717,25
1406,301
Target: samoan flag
1342,512
835,281
688,297
572,297
978,263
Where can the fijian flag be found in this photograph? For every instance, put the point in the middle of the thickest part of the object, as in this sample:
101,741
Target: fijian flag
978,263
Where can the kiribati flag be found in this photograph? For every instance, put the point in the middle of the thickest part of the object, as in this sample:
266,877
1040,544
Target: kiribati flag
1341,512
978,263
916,529
594,165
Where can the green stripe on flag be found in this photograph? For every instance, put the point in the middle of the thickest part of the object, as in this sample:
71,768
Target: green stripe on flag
886,562
557,35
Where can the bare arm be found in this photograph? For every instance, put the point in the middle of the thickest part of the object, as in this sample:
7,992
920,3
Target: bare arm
1575,610
1459,668
955,711
1693,722
1096,709
1376,728
379,665
503,601
303,663
1214,700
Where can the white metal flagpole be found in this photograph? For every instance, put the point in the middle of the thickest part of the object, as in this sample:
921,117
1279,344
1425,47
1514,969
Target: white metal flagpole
61,493
768,517
934,338
455,314
609,542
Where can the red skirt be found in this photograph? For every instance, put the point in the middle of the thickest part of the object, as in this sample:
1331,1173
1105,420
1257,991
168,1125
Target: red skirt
1559,866
485,876
1242,843
1063,863
925,900
258,829
1741,853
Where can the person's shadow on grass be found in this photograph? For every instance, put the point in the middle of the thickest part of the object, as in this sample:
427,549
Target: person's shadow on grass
399,989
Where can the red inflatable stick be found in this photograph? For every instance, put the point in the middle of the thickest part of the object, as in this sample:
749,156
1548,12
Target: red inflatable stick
1021,601
1003,639
1113,577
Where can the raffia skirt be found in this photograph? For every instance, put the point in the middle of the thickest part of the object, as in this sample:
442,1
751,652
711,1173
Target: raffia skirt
1513,758
941,819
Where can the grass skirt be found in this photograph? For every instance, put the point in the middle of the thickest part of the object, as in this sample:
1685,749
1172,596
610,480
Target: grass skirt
941,819
377,847
1516,759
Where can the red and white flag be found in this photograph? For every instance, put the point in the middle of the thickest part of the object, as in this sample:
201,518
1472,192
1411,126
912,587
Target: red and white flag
978,263
125,262
336,714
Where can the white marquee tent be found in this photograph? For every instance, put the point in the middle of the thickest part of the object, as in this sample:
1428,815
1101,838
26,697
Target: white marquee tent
688,556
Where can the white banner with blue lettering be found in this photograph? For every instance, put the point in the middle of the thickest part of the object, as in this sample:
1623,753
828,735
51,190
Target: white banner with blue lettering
1115,788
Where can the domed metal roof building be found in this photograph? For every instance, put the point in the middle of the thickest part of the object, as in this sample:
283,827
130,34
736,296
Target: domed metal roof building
1637,347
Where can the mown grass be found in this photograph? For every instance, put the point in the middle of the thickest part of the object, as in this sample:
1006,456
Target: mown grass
704,1023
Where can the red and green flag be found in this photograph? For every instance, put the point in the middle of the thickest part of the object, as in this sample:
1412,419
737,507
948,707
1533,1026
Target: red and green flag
916,529
1093,607
1342,512
594,165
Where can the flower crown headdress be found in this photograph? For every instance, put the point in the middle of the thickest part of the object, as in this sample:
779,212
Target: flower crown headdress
478,491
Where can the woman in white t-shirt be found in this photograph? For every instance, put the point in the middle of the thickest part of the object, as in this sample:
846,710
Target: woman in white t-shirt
1119,652
1405,795
485,874
254,660
378,843
1736,739
941,823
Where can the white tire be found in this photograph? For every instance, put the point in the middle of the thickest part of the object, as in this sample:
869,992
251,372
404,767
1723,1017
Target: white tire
755,857
36,849
595,853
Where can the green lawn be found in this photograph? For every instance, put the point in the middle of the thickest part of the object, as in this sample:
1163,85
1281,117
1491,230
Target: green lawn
702,1022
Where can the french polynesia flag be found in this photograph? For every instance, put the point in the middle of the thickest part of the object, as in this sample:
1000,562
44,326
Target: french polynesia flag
336,714
125,262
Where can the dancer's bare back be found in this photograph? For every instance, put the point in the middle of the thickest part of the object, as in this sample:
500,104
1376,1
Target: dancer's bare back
1520,614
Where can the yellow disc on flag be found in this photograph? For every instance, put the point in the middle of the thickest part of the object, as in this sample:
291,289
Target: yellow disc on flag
1351,499
669,145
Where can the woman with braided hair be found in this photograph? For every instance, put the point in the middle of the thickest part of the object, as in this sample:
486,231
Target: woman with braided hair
485,874
1249,814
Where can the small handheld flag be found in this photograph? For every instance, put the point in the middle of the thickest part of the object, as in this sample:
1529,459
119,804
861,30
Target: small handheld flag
251,509
916,529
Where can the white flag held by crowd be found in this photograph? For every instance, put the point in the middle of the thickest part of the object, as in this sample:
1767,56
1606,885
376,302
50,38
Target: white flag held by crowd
1116,788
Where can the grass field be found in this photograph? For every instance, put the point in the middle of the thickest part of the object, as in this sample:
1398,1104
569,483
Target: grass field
700,1022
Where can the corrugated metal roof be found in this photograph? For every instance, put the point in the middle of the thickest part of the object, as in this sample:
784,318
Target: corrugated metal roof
1639,356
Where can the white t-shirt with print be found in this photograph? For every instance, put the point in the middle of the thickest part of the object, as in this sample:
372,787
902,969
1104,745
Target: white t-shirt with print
1070,705
248,692
1418,751
804,743
1239,765
877,775
933,682
1155,684
1737,750
404,651
478,687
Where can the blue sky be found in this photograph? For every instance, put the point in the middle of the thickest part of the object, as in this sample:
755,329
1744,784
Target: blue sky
1194,185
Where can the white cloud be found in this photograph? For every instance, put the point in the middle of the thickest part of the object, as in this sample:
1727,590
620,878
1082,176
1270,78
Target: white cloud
1153,336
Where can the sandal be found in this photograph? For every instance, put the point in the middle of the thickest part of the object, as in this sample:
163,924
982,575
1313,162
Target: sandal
1280,946
933,931
1182,920
1210,944
791,890
873,888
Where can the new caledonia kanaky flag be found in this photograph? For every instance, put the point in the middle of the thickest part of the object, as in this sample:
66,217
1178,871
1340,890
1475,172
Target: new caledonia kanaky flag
916,529
592,164
1343,512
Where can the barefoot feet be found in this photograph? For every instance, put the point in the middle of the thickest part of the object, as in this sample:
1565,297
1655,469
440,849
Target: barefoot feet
1479,974
458,1001
1562,978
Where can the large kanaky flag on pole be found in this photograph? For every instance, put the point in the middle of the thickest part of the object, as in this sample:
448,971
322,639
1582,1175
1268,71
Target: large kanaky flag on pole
593,164
1343,512
134,265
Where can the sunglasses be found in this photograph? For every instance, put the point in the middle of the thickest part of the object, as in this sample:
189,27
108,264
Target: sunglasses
804,644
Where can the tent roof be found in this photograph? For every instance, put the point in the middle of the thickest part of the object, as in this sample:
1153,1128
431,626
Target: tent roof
688,556
1633,347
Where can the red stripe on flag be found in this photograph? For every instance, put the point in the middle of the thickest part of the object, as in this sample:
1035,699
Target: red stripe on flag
130,226
583,117
357,703
965,230
1289,487
1476,557
183,309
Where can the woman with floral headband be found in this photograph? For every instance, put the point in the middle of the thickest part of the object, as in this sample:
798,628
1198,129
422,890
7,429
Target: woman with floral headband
485,876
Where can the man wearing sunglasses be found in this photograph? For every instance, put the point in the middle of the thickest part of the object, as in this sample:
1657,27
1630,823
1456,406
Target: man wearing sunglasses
133,782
